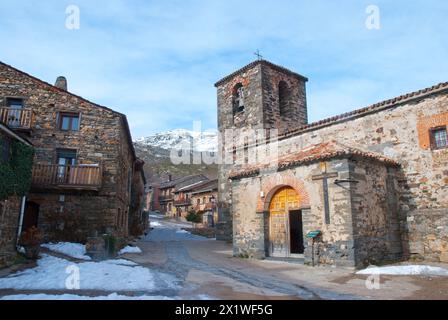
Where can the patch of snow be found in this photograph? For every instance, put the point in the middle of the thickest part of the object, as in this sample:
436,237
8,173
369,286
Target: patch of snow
113,296
74,250
121,262
155,224
182,231
180,139
52,273
406,270
130,249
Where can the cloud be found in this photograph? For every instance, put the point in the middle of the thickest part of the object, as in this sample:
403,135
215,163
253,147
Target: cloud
157,61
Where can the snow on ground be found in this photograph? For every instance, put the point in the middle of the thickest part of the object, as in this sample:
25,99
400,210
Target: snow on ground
121,262
182,231
406,270
130,249
51,273
74,250
113,296
155,224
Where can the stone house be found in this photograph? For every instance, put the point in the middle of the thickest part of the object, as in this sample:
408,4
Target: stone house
15,177
84,158
138,216
204,200
168,188
363,187
188,198
152,197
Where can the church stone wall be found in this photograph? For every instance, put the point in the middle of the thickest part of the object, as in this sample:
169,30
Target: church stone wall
261,100
397,134
251,226
295,114
253,117
364,224
376,221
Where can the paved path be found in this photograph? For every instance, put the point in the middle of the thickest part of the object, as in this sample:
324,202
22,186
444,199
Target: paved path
177,244
206,267
187,266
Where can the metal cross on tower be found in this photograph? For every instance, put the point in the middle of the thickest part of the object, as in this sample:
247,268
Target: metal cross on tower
258,54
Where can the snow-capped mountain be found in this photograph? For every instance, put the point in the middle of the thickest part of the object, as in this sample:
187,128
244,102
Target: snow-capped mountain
181,139
155,150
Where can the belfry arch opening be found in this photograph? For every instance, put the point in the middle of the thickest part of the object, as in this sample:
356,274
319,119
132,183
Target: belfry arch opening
283,97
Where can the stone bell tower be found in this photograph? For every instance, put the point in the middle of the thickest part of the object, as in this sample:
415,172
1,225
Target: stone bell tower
261,95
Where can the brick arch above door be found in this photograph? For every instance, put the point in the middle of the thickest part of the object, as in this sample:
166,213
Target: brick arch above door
270,185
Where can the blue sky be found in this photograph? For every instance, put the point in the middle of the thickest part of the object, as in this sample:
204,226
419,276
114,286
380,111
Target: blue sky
157,61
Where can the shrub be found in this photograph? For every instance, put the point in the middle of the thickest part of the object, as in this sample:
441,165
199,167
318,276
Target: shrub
192,216
31,237
15,175
111,244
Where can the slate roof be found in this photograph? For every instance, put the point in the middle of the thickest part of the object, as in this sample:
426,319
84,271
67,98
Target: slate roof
181,180
54,88
210,186
262,62
315,153
380,106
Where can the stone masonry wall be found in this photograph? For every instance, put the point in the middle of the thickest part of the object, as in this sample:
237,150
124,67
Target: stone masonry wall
251,80
251,223
9,220
376,221
295,115
397,134
101,139
261,100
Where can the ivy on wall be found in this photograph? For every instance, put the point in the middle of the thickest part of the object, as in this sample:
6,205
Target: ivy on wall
15,174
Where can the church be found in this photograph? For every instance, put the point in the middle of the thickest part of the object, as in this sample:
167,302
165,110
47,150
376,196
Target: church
365,187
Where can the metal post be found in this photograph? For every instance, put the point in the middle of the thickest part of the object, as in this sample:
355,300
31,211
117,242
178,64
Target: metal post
312,252
22,213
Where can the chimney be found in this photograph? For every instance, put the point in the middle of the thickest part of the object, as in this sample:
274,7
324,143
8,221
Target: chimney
170,177
61,83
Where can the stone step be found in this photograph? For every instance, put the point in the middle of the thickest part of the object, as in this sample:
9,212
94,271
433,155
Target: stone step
289,260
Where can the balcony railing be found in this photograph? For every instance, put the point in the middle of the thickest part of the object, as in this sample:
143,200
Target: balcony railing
166,198
52,176
16,118
182,202
210,206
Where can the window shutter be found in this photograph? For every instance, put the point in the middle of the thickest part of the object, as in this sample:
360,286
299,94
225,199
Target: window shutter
432,140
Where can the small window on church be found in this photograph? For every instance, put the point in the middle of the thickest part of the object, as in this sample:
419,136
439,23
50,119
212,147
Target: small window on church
283,97
238,99
439,138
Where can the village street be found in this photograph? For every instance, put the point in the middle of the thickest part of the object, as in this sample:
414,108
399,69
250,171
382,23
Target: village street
175,264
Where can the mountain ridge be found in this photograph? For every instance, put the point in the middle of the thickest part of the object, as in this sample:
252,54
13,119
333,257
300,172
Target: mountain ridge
155,150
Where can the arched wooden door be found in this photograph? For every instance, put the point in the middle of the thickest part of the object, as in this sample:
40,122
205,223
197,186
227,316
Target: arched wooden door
285,227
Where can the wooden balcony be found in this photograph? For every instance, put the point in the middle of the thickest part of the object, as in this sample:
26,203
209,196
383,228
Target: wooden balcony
60,177
16,118
182,202
166,198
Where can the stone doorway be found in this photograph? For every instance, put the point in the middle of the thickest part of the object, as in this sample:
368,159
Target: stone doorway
296,232
285,224
31,217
